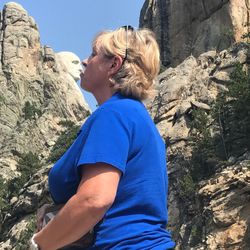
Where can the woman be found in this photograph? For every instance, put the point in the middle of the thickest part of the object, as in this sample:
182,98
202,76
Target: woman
116,168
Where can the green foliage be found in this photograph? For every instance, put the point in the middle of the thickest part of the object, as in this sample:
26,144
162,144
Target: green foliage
3,195
15,185
64,140
28,164
203,163
25,236
2,99
232,112
196,235
30,111
202,160
67,123
162,68
188,187
228,35
230,126
200,124
5,206
248,164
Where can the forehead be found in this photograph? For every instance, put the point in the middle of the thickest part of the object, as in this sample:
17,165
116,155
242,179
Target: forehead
96,44
99,41
68,56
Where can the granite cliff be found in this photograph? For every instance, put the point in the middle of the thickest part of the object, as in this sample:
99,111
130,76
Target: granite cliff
201,44
209,201
37,96
185,27
31,76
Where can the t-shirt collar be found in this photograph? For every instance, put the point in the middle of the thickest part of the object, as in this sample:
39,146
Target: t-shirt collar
114,97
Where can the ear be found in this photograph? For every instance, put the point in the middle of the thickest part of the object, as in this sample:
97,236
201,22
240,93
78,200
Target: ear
116,63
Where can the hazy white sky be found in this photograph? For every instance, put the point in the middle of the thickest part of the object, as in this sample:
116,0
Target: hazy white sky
71,25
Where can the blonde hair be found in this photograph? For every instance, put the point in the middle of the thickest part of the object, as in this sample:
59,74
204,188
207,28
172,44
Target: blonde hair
136,77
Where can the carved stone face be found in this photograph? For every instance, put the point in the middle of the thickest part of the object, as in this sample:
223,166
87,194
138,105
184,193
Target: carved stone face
72,63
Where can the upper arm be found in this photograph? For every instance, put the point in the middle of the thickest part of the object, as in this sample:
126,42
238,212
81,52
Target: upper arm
103,157
107,141
99,182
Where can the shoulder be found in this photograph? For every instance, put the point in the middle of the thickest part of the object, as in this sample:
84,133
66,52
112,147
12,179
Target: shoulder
126,110
125,106
109,116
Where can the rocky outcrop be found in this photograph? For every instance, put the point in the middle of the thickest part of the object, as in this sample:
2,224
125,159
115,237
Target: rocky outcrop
31,81
36,95
226,207
213,214
194,37
185,28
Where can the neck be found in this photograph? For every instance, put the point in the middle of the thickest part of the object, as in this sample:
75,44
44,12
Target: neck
102,96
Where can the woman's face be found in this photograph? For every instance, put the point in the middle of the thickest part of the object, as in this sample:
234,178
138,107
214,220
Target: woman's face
96,74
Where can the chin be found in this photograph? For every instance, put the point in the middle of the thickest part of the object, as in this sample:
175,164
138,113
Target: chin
83,86
77,77
81,82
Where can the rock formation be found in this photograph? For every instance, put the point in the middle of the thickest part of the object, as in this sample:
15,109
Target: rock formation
193,36
31,73
185,27
216,214
36,95
71,63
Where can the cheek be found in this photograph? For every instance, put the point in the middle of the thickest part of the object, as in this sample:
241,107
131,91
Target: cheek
84,85
86,82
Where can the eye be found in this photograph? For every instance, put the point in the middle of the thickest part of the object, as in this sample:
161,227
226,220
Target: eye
75,62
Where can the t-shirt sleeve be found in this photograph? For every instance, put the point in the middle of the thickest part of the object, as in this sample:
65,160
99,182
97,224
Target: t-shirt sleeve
107,141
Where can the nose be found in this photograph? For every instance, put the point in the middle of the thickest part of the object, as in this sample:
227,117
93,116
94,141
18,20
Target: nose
80,67
85,62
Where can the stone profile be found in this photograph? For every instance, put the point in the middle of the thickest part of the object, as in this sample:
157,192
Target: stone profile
71,63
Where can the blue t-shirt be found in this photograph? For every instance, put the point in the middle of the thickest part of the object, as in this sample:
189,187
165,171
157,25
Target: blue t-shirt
121,133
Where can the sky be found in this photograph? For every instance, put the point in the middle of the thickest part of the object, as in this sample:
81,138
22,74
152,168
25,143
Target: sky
70,25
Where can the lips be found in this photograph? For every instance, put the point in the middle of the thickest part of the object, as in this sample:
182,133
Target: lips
82,74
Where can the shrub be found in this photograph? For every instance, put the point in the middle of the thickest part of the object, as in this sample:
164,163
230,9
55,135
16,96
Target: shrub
188,187
203,155
67,123
26,235
27,165
30,111
3,194
64,140
226,131
232,112
2,99
162,68
228,35
196,234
